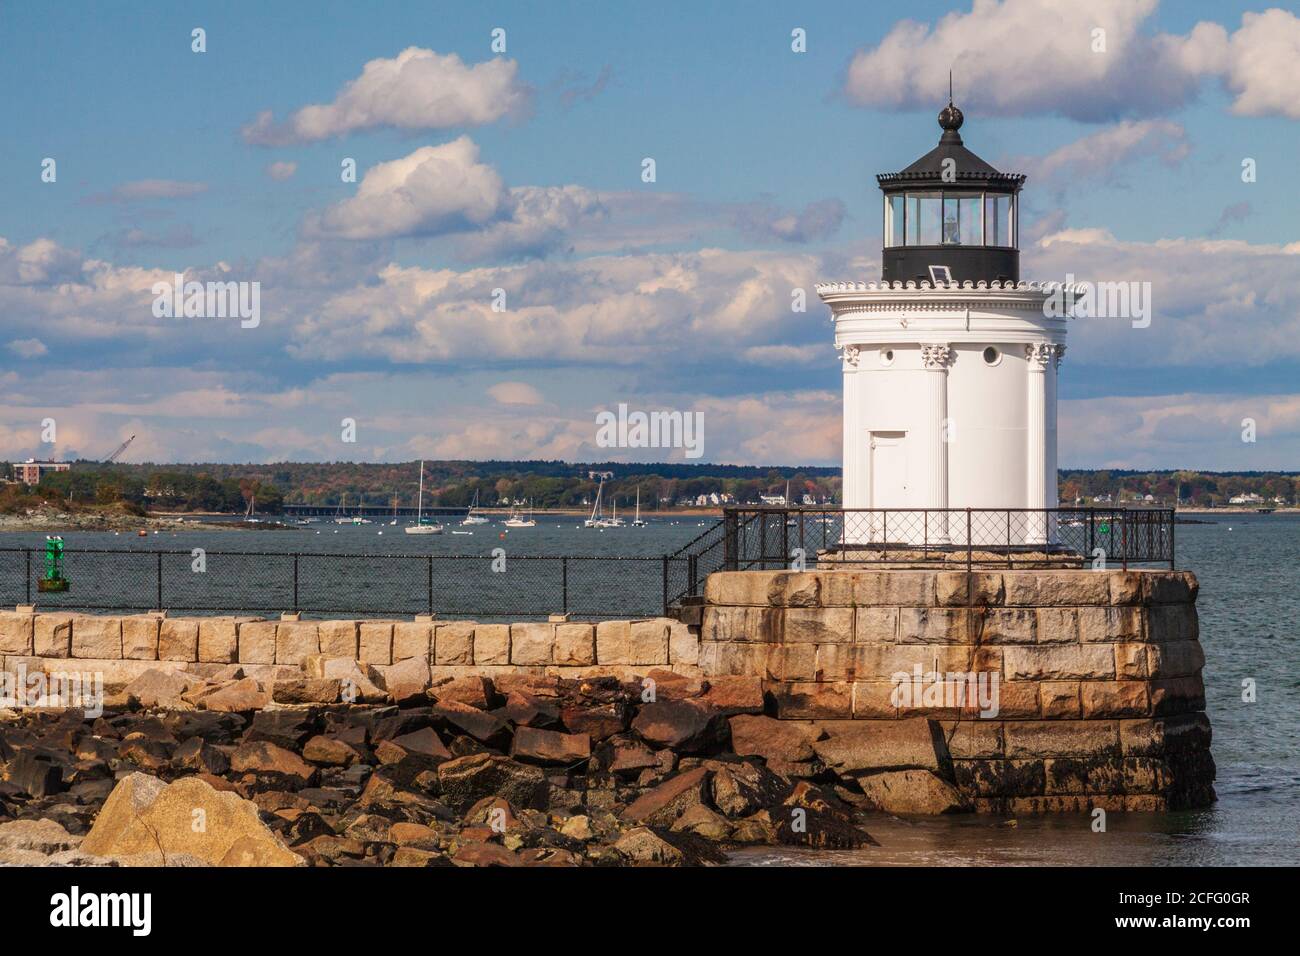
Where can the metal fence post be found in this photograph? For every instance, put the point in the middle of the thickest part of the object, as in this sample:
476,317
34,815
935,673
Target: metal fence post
1173,522
29,575
665,571
160,603
970,544
564,582
295,607
429,559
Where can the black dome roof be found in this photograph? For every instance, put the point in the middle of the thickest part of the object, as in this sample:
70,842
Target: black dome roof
968,168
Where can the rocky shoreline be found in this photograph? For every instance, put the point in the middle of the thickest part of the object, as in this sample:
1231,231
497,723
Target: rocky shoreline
523,770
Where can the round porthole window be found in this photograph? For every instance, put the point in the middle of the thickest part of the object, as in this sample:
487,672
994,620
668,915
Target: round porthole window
886,356
992,356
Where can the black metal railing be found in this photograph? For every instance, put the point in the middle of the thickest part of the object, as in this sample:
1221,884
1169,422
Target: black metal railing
776,537
349,585
590,586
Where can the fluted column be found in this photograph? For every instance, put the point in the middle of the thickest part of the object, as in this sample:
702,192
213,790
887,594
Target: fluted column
1038,357
855,478
936,357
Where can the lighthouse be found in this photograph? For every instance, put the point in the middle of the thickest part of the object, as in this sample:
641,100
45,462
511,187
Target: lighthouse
950,362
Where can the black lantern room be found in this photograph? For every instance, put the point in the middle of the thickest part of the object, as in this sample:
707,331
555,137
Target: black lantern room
950,215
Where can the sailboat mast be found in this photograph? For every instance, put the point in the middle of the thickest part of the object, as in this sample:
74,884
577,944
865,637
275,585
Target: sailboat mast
419,504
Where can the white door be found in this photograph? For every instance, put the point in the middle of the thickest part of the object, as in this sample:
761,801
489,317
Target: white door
888,469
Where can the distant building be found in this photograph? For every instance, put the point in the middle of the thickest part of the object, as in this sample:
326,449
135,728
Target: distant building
1250,499
29,472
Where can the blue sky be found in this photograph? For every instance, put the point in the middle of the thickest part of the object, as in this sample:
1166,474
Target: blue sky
673,294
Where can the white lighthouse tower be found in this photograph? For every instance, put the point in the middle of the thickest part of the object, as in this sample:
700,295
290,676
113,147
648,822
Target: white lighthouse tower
950,362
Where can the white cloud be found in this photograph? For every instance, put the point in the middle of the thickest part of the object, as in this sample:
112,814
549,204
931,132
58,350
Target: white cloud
148,189
281,171
439,190
998,70
28,348
1098,154
416,90
817,220
515,393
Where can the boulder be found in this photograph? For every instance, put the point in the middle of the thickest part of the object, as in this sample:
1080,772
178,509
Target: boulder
774,740
644,846
147,820
405,680
240,696
668,801
466,780
474,853
306,690
857,745
549,746
911,791
598,722
479,724
35,774
735,695
261,756
425,742
197,754
330,752
158,688
704,822
682,725
473,691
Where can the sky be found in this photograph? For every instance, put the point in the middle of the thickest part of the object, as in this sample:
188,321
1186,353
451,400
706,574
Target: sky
499,270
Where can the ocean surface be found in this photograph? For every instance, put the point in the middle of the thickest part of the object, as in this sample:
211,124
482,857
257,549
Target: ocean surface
1249,605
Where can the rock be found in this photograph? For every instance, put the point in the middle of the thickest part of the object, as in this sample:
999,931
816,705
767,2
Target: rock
668,801
484,854
855,745
549,746
911,791
472,691
239,696
35,774
669,685
479,724
197,754
143,753
158,688
643,845
413,834
773,740
40,836
704,822
143,817
358,682
330,752
306,690
287,728
261,756
628,754
409,856
406,680
598,723
578,827
681,725
425,742
466,780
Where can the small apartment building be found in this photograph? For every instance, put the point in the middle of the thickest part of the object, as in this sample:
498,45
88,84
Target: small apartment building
29,472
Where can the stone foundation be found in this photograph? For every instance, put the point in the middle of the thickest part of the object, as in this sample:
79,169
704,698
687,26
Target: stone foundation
1099,700
1056,690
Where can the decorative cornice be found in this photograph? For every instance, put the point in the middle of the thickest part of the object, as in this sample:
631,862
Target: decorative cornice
851,355
936,356
880,288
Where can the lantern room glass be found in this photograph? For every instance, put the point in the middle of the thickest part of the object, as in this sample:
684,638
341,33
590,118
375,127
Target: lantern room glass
950,218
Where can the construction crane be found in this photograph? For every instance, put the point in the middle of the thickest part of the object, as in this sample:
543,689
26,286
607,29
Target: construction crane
118,451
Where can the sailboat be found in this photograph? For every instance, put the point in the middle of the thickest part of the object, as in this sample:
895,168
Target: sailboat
341,516
471,517
637,522
394,521
597,519
614,521
518,521
420,527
